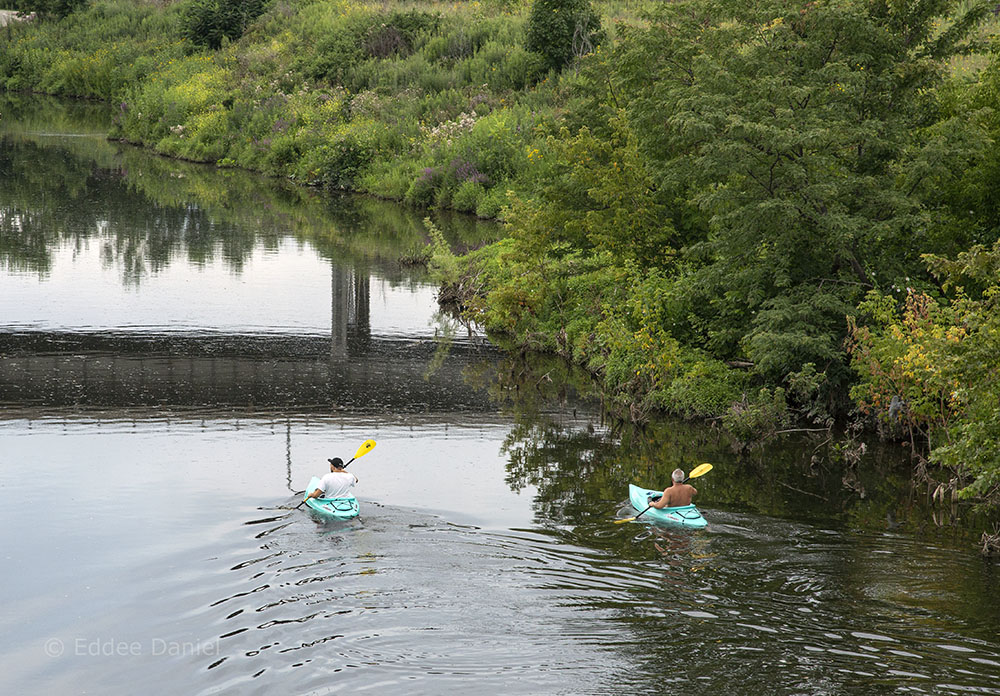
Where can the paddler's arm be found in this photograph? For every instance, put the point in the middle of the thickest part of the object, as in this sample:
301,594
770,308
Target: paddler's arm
318,493
660,502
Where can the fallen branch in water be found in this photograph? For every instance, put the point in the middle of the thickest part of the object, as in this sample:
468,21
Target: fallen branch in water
799,490
990,543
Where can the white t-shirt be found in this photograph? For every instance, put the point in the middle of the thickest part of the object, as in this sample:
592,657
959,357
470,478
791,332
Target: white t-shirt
336,484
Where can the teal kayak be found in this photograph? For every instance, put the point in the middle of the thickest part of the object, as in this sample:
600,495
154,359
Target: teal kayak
332,508
684,516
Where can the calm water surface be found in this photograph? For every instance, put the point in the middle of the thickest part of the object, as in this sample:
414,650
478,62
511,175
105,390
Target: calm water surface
181,348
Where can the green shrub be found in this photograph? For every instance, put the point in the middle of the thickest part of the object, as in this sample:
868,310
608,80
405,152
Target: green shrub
422,190
442,262
156,111
334,55
563,30
468,196
521,68
208,22
283,152
492,204
206,136
436,48
442,197
496,143
431,80
387,179
398,34
501,66
753,419
338,163
705,389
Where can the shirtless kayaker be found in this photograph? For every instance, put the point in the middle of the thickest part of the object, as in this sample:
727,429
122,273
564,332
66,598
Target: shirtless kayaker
678,494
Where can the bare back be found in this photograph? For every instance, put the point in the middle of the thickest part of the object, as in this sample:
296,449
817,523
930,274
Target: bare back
679,494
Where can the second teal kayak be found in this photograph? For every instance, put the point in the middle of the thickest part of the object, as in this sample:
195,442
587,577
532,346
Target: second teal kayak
684,516
332,508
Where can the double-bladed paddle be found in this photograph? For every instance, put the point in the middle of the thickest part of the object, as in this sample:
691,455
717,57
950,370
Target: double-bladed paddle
699,470
365,448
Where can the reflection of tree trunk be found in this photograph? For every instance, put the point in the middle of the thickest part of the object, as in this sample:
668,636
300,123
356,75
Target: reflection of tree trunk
361,319
340,279
350,312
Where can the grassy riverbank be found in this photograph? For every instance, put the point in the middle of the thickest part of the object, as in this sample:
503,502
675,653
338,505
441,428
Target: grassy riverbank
776,216
431,103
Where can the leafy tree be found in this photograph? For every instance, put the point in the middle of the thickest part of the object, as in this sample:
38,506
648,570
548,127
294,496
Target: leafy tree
594,209
794,130
975,197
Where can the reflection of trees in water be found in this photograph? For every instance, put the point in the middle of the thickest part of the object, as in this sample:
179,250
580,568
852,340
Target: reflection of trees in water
23,246
149,211
581,460
51,197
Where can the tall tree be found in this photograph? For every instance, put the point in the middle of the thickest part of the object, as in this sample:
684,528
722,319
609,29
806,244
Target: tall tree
795,128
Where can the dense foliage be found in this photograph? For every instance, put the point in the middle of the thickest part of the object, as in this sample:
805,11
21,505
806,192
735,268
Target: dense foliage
753,212
46,8
210,22
562,30
930,369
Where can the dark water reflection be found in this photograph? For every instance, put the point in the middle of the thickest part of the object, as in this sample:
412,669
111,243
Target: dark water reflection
181,349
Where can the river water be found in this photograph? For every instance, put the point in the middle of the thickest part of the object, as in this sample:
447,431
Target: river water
181,348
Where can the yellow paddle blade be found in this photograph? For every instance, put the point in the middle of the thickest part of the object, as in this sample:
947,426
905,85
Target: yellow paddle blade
623,521
365,448
700,470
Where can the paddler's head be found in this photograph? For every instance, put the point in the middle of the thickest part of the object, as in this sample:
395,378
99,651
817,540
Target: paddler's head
336,464
677,476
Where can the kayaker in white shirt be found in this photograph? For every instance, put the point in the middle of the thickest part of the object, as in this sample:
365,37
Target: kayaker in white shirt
337,483
677,495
